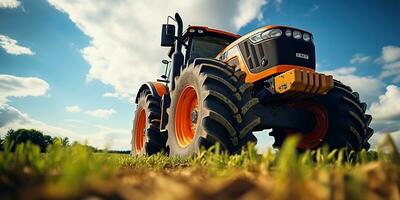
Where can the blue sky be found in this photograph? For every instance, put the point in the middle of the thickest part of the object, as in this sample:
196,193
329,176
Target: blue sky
71,68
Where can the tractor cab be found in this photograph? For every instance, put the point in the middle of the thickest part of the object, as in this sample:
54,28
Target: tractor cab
204,42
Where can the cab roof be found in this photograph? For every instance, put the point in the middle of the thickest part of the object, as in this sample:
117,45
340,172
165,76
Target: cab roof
212,31
193,30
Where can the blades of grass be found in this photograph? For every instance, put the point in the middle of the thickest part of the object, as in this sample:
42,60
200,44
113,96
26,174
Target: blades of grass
340,158
388,150
287,159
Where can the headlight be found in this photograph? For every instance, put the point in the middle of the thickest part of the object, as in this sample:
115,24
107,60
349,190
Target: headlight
306,37
272,33
288,33
200,31
296,35
256,38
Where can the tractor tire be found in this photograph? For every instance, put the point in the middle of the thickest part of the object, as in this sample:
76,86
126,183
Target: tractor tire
206,108
146,136
341,121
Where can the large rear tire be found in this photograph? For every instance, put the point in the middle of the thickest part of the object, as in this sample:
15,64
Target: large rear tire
340,118
146,136
206,108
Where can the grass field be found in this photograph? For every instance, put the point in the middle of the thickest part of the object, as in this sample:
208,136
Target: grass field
75,172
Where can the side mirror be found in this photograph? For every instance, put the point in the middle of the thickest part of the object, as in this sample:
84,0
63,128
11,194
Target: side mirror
165,62
167,35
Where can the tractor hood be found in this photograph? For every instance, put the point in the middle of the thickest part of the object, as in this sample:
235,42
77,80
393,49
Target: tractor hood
270,50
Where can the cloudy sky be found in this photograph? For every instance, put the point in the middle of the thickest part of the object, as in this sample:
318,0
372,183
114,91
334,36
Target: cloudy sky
71,68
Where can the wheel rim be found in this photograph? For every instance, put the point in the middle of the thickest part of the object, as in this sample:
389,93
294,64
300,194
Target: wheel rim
317,135
140,130
186,115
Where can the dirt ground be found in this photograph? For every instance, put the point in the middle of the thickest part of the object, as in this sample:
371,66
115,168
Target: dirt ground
375,181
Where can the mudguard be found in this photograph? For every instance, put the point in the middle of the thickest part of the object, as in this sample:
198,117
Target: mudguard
161,91
157,89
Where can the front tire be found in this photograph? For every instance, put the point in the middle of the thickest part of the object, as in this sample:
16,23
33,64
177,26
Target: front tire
146,136
346,124
206,109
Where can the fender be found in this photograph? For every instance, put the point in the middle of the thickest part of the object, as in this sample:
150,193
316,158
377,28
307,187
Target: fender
156,89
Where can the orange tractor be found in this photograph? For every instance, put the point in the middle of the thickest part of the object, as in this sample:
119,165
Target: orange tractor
222,87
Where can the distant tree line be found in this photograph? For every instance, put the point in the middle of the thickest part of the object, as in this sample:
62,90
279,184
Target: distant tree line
15,137
119,151
20,136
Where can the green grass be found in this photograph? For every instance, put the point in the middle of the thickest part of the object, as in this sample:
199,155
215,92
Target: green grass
76,171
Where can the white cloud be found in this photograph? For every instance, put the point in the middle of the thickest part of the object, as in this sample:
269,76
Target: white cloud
11,46
112,138
9,3
11,118
248,10
388,106
314,8
359,58
125,50
391,70
390,54
386,115
74,108
367,86
101,113
391,63
110,94
377,139
14,86
75,120
120,96
278,4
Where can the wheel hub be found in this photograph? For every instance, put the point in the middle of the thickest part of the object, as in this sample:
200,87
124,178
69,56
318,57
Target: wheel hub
140,129
316,136
194,116
186,116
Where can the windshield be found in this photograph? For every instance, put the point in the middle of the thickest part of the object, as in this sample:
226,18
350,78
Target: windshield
207,46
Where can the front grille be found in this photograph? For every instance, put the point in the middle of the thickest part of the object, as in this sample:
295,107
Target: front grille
267,54
252,56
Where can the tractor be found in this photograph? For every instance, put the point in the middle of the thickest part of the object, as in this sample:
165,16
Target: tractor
221,87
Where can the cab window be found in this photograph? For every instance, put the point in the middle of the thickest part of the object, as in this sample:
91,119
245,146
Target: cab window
207,46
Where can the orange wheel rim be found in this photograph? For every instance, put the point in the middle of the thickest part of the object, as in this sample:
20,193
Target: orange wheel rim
139,130
316,136
186,115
